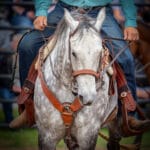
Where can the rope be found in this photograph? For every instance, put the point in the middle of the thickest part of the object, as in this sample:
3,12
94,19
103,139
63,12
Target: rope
117,55
123,146
143,68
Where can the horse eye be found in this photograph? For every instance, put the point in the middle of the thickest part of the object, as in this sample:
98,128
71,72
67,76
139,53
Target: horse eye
73,53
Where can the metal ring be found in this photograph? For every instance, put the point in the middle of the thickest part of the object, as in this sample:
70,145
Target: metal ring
123,94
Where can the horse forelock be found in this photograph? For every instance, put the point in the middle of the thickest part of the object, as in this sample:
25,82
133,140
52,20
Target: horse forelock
85,21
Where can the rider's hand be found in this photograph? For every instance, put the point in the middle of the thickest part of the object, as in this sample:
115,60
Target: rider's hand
40,22
131,34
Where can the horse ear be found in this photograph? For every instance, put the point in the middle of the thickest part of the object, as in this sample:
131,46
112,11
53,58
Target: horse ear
71,22
100,18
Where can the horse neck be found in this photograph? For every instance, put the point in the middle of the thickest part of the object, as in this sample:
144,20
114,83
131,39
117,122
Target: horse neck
57,70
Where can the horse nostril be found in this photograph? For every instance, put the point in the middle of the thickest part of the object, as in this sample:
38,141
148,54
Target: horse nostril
84,102
88,104
81,98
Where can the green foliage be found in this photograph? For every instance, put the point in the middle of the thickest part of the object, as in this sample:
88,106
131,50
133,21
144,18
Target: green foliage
18,138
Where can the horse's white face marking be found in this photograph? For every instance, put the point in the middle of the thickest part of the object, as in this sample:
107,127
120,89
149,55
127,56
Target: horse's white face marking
85,49
85,54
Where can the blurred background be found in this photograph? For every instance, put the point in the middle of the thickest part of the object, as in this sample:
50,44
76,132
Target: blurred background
16,18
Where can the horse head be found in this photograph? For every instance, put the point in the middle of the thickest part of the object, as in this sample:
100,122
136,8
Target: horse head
85,46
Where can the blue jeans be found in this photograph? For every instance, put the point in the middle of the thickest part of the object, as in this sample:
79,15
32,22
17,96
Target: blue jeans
32,41
5,93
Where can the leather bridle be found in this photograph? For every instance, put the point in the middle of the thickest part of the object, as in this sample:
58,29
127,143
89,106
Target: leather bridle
86,71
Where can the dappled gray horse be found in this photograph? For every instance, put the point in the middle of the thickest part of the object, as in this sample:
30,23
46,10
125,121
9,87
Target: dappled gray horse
71,72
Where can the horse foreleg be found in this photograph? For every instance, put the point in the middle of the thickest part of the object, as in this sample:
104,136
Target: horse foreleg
43,144
71,143
86,139
114,136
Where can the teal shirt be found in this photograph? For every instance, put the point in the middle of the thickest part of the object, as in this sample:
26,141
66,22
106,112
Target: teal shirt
41,7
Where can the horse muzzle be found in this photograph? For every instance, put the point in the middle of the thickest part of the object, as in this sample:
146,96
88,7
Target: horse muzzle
86,89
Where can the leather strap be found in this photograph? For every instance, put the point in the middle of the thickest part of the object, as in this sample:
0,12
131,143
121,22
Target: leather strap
127,131
86,71
67,110
128,103
112,115
123,89
28,87
25,99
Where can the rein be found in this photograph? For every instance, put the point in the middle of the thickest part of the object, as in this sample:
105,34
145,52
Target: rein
117,55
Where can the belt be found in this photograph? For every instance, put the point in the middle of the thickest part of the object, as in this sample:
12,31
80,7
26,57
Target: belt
86,9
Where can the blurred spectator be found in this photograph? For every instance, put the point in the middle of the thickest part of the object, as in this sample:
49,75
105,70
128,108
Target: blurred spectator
118,13
143,12
5,83
15,38
4,34
143,93
9,88
5,44
22,16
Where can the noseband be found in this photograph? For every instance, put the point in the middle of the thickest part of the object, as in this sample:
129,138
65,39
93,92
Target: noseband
86,71
103,63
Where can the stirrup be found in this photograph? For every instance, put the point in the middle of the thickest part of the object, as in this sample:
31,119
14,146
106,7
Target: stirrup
127,131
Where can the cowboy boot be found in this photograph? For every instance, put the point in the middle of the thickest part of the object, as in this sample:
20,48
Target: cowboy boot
20,121
138,124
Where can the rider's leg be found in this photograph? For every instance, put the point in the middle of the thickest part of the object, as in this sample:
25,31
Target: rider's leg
32,41
28,48
111,28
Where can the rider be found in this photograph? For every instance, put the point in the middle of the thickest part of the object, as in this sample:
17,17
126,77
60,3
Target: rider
33,40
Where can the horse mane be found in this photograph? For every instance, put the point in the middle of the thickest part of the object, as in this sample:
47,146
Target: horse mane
58,60
62,63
